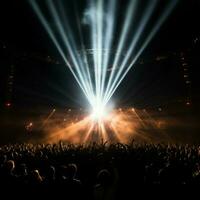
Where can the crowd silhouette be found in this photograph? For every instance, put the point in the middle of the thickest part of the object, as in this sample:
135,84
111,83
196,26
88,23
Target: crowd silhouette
96,171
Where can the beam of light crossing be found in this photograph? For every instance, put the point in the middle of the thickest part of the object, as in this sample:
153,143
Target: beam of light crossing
82,62
83,48
125,29
93,32
141,28
108,39
99,44
56,43
78,66
161,20
93,78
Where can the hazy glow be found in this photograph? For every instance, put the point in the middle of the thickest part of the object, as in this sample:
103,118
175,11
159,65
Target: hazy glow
114,126
90,70
118,125
98,113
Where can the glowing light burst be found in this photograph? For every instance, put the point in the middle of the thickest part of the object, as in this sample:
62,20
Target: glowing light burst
115,126
118,125
99,113
98,73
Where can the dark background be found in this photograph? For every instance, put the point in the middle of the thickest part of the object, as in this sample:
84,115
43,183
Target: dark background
25,44
39,78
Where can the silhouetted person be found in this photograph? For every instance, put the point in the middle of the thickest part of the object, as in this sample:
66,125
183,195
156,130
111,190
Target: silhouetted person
62,174
22,174
8,176
35,178
51,175
72,184
3,159
104,190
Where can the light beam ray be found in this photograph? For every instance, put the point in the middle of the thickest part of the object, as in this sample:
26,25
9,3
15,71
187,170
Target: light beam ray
71,51
83,49
125,29
93,33
55,41
161,20
139,31
99,44
82,62
97,85
110,24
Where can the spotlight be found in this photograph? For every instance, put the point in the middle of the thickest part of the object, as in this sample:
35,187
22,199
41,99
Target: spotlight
99,111
98,114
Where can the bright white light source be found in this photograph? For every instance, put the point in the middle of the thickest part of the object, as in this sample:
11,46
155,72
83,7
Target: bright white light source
98,114
101,19
99,111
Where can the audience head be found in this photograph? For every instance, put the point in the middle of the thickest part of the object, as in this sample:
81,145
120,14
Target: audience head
104,177
10,166
71,170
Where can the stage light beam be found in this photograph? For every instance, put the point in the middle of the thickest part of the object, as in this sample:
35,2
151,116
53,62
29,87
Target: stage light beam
97,85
